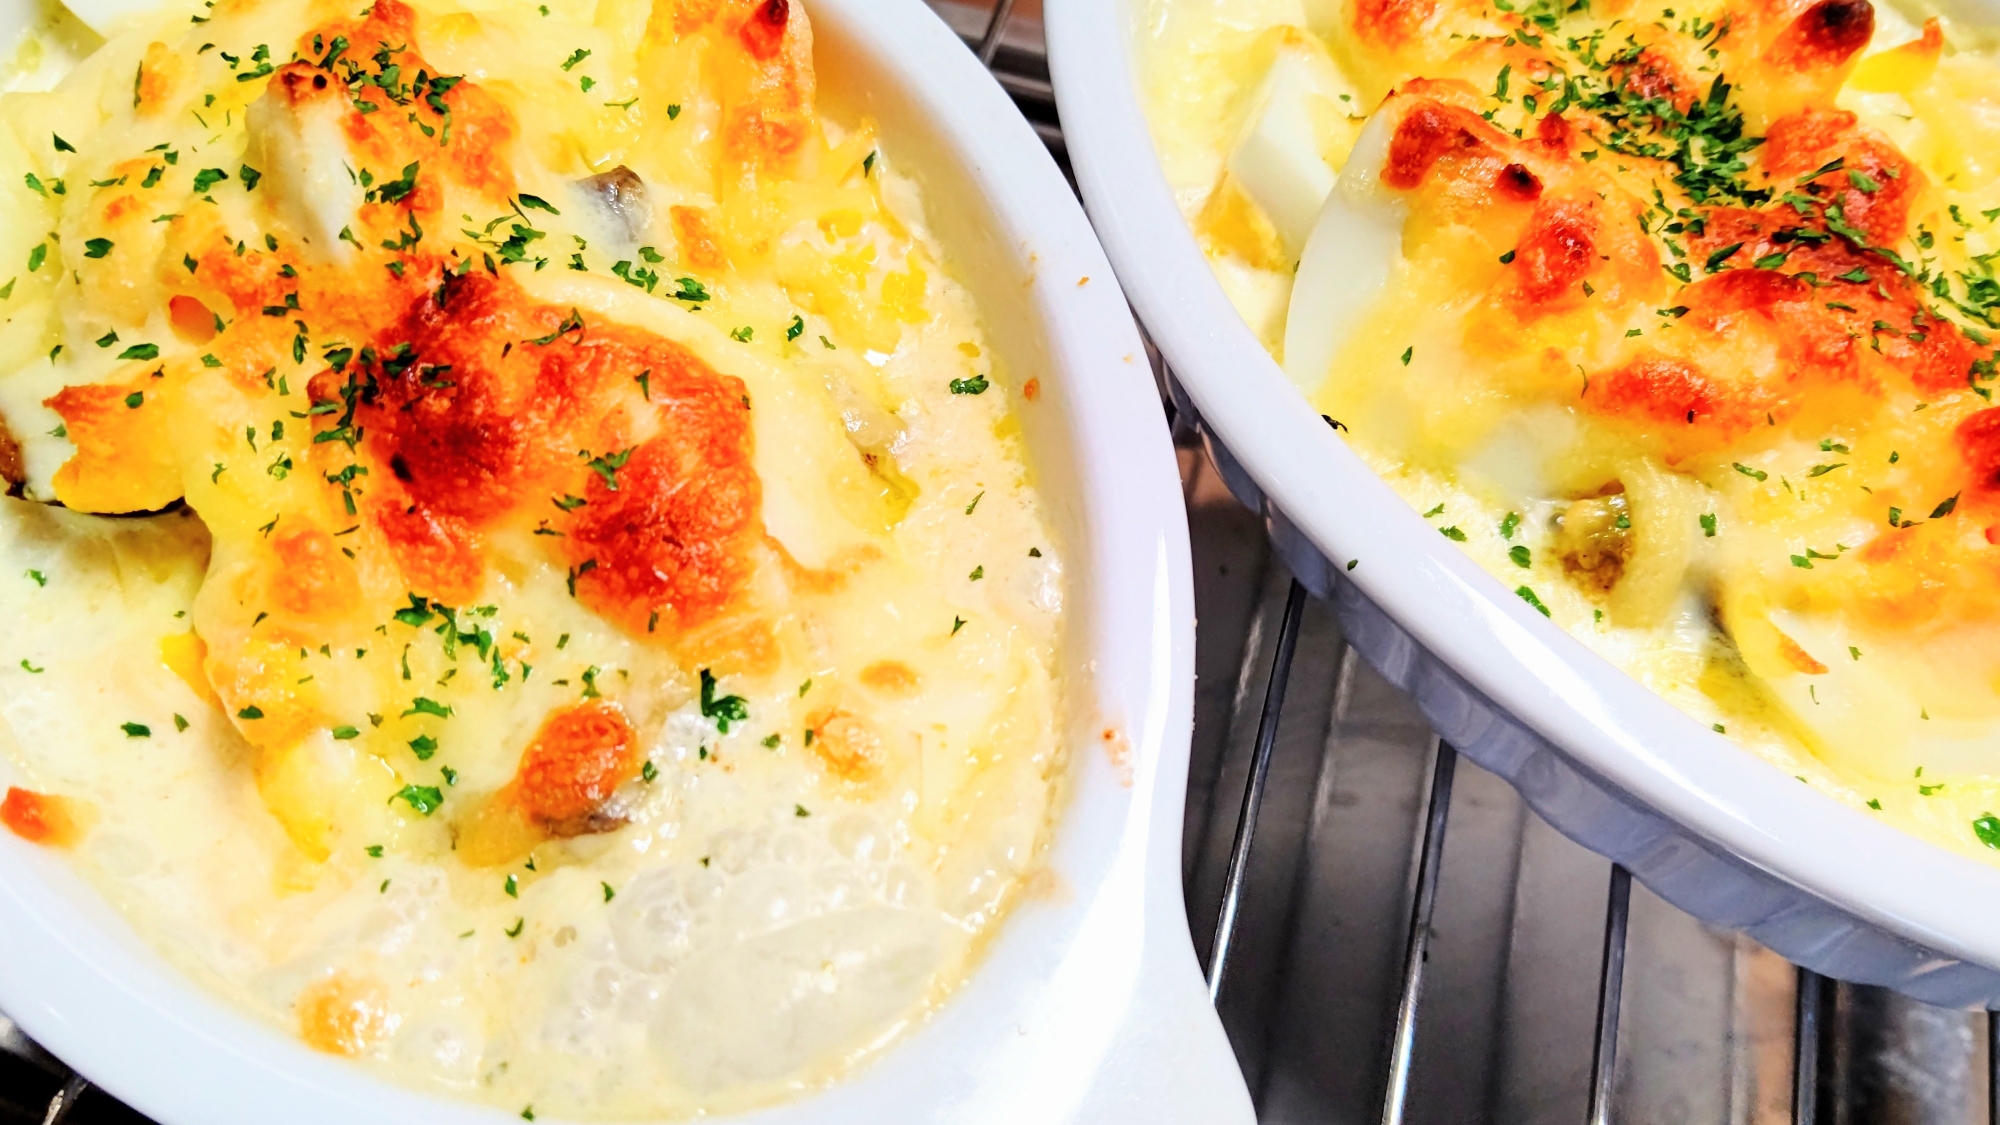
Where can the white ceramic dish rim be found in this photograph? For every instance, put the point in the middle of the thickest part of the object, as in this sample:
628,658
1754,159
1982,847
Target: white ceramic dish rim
1089,1005
1604,721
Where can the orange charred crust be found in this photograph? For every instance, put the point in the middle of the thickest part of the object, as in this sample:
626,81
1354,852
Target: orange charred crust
476,402
41,818
1978,442
1431,133
1797,146
440,555
763,31
1837,313
762,59
579,757
671,547
1557,250
1392,23
1675,393
460,405
1824,36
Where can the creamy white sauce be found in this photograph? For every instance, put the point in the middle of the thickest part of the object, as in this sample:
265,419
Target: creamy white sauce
758,926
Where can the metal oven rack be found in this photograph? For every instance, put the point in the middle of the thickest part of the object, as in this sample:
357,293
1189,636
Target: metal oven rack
1390,934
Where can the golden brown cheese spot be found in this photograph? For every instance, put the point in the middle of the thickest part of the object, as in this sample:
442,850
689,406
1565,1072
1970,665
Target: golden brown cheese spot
697,238
159,73
344,1015
1978,442
1557,250
476,131
258,680
1825,35
733,646
241,284
891,677
1690,408
42,818
1430,132
1800,144
579,757
313,579
1936,574
1392,23
191,320
476,403
125,459
440,555
761,54
848,747
1655,74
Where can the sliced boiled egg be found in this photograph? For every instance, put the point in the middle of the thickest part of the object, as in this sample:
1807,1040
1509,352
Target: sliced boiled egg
1280,158
1356,242
1871,710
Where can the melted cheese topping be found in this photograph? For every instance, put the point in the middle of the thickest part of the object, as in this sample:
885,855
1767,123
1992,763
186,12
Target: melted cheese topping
1679,320
596,651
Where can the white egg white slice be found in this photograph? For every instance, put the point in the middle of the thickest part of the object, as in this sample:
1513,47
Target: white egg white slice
1278,159
1356,242
1888,713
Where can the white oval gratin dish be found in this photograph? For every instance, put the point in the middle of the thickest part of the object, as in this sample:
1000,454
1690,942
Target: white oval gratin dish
1712,828
1089,1006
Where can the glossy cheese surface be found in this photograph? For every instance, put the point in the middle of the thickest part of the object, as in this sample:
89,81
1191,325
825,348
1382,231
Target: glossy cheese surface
522,571
1679,318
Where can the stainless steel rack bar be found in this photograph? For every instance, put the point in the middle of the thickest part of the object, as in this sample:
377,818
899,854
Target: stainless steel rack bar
1610,990
1253,793
1805,1048
1423,908
1798,1047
